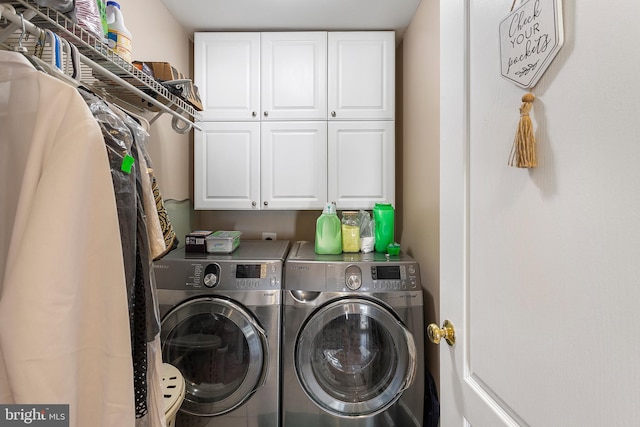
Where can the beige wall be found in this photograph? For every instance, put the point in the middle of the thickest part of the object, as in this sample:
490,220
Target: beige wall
419,155
157,36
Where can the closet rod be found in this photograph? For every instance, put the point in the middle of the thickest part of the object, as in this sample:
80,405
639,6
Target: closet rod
99,68
11,28
11,15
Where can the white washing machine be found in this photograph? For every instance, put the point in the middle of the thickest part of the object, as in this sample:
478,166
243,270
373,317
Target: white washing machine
353,342
220,320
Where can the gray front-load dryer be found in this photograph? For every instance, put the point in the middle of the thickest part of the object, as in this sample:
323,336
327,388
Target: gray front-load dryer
221,328
353,346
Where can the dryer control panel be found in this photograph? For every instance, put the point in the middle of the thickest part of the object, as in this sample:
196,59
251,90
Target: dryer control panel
349,272
394,277
361,277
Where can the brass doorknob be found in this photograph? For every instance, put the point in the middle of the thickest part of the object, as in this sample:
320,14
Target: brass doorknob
447,332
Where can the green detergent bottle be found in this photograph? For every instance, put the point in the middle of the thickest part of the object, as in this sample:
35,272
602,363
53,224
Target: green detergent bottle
384,217
329,231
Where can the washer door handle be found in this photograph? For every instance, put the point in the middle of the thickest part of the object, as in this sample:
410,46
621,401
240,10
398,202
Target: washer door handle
266,356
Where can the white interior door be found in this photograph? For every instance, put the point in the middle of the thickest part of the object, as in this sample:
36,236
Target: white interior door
540,272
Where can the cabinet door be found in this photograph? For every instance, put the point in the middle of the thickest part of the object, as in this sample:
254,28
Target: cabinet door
226,164
361,77
294,75
227,74
294,165
361,163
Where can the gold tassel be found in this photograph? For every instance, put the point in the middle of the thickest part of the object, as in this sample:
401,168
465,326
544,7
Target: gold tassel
523,152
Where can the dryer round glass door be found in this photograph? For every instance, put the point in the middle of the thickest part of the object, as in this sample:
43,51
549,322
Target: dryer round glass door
220,350
354,357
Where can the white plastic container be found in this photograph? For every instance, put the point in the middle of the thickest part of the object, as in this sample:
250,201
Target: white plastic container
118,36
173,389
223,242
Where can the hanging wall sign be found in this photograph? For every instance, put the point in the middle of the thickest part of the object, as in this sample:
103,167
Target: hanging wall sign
530,37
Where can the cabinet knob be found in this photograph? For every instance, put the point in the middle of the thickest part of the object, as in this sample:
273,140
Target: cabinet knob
266,203
253,204
266,114
253,114
333,114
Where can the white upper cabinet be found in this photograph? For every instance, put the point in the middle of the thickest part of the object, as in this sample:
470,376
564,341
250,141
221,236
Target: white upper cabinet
293,75
293,165
262,76
293,120
258,166
227,166
227,74
361,76
361,159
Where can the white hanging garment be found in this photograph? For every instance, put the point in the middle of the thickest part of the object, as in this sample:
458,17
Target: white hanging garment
64,320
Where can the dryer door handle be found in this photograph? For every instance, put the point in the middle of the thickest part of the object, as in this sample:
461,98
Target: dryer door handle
413,355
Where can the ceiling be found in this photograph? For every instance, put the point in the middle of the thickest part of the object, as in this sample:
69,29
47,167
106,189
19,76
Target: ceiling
292,15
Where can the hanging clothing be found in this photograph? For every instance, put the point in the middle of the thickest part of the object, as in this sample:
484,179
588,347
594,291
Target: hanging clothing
162,236
64,329
125,140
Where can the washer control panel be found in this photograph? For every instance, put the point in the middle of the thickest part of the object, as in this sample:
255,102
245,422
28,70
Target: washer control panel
265,275
253,276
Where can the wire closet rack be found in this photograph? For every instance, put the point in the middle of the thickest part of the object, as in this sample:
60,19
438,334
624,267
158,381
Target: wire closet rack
105,72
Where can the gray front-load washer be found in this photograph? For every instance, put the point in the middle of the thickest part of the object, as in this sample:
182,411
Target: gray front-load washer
353,341
220,316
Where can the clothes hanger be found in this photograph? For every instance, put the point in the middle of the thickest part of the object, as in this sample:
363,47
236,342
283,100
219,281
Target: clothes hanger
21,48
57,46
141,120
71,60
75,62
51,68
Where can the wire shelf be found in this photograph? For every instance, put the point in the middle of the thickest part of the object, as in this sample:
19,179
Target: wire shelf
97,51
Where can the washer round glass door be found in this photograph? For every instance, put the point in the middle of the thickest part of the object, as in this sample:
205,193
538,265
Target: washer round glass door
354,358
221,351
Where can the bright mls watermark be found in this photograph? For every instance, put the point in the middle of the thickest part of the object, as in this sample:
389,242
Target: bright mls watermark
34,415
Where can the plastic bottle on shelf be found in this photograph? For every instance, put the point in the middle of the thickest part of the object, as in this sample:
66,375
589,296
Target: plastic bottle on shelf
350,232
384,217
119,36
328,231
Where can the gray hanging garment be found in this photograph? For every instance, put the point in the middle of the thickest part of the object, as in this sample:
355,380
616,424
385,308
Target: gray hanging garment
119,142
